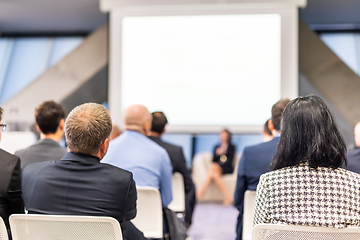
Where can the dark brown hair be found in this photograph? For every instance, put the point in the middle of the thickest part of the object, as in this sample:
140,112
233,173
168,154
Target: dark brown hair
48,116
159,121
276,112
267,129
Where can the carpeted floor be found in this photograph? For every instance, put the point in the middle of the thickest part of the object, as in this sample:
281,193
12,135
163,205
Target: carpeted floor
213,222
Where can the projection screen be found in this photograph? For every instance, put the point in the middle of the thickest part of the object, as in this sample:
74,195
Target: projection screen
205,70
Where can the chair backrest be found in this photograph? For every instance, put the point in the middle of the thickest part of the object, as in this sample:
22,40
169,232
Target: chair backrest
3,231
149,217
61,227
178,189
279,231
248,216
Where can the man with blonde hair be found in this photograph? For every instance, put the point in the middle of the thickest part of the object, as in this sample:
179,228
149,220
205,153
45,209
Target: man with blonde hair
79,184
133,151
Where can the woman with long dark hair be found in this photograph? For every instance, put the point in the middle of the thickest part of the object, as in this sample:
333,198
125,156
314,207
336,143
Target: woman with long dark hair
307,185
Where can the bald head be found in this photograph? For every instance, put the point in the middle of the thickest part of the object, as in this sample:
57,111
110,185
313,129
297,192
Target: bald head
137,118
357,134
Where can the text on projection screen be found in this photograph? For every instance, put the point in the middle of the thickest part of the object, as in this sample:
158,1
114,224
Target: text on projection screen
203,70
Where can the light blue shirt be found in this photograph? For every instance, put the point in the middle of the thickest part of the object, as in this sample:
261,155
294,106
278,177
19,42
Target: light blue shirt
149,163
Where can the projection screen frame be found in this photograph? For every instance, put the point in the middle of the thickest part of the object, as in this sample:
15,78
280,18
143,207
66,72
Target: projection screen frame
289,53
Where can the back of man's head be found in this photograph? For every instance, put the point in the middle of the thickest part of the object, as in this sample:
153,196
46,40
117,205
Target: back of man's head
86,128
48,116
137,118
159,121
277,111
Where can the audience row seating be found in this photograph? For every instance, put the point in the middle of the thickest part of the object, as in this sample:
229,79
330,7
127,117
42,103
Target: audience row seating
59,227
279,231
178,189
3,231
248,216
149,220
149,217
201,164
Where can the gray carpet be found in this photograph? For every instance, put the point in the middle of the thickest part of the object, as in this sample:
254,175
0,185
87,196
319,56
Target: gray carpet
213,222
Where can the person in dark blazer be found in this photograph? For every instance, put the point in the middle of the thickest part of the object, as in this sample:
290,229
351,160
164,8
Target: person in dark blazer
223,157
353,156
10,183
255,161
79,184
178,162
49,118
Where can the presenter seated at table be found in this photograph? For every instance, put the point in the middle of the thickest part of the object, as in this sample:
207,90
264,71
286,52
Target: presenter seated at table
222,164
307,185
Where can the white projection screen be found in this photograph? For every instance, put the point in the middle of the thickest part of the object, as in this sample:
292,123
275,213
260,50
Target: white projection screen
205,71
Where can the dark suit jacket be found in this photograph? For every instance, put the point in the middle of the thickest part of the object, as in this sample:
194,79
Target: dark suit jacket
227,166
179,165
10,186
43,150
353,160
254,162
79,184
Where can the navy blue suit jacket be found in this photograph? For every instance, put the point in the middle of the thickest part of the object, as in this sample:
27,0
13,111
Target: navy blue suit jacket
79,184
254,162
353,160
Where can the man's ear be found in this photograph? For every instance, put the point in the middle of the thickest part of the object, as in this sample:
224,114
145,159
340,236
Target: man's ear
103,148
61,124
147,127
38,129
271,125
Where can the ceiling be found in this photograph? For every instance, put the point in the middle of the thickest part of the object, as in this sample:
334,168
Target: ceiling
50,16
83,16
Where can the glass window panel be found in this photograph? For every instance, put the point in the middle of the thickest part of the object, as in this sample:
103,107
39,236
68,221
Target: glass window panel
5,51
62,47
183,140
244,140
344,46
28,61
207,142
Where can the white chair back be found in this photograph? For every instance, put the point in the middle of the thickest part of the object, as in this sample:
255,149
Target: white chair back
149,217
248,216
279,231
3,231
61,227
178,189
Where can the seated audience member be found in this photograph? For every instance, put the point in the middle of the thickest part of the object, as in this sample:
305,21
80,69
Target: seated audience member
115,132
353,156
266,133
79,184
178,161
222,164
255,161
135,152
49,118
307,185
10,183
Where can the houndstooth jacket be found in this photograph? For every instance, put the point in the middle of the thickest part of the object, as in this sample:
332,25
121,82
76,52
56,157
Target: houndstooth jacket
304,196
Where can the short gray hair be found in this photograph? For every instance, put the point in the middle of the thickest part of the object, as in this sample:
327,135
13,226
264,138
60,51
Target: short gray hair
86,128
